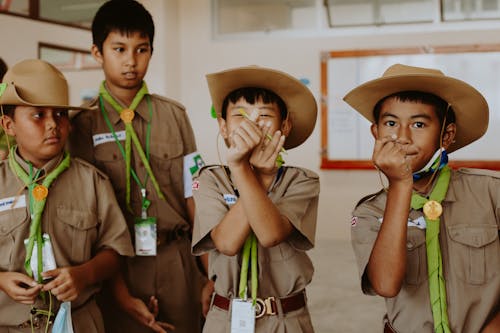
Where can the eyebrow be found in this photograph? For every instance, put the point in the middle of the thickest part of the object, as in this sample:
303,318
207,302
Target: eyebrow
388,114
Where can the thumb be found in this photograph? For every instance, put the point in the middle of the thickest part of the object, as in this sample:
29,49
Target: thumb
51,274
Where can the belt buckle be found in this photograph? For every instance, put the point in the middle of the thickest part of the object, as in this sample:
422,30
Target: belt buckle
264,307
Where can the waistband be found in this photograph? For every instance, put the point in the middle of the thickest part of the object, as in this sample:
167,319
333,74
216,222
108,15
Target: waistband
268,306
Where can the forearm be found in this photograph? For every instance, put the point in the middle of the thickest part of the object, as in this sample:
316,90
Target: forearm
230,234
493,326
101,267
387,265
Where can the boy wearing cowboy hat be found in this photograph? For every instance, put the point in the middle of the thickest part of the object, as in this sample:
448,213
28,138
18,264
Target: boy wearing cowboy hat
429,243
146,145
61,229
254,205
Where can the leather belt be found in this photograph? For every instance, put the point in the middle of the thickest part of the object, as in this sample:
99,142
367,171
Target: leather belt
267,306
166,237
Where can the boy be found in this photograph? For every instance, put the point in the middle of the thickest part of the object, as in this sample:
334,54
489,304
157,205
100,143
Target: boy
145,144
433,234
61,229
260,111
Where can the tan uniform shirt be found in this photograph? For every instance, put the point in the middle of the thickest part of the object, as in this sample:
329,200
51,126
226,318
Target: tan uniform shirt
172,275
470,249
81,216
284,269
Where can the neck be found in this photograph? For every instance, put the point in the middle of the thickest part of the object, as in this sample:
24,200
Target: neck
124,96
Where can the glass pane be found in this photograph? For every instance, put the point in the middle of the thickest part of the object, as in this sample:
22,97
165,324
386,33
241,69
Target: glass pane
77,12
460,10
235,16
378,12
17,7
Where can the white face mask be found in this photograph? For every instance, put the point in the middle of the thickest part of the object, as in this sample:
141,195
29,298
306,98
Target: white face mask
63,322
431,161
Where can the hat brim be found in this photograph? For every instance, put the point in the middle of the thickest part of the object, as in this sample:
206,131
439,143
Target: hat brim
300,103
469,105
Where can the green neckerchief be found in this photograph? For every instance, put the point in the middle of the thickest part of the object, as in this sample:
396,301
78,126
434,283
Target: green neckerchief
249,250
127,115
37,198
437,286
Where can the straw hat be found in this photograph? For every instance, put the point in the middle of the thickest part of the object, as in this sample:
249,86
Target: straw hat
34,82
469,105
299,100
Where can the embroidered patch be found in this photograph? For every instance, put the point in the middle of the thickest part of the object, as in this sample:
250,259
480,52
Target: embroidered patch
193,162
230,199
419,222
196,185
7,203
99,139
354,221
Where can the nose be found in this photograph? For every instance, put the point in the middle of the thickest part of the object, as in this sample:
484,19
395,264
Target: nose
50,119
404,135
131,61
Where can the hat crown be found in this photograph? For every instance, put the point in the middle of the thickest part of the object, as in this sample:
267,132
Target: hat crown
38,83
403,70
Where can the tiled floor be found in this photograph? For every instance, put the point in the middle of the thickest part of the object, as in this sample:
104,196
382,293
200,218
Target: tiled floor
336,302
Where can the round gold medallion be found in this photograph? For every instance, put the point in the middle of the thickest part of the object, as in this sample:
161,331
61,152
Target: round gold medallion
127,115
40,192
433,209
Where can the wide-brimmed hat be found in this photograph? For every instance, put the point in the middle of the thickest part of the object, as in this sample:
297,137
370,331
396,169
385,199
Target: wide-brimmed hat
34,82
300,102
469,105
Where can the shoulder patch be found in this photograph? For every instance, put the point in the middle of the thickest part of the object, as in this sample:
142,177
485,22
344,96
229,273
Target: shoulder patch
169,100
479,172
207,167
369,197
89,165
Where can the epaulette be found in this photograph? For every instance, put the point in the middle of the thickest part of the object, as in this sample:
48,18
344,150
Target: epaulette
368,197
479,172
169,100
207,167
90,166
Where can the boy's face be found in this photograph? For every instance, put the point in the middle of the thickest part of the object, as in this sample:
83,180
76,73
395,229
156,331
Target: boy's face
261,113
124,59
413,126
40,132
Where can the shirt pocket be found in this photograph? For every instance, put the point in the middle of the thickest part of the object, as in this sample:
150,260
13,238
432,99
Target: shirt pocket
416,268
77,234
474,252
167,161
109,159
10,222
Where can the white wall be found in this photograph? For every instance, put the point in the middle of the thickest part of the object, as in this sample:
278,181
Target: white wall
185,52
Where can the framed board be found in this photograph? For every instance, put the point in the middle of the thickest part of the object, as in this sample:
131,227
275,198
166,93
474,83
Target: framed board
346,140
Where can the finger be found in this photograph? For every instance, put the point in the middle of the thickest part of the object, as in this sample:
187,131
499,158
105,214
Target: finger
166,326
52,273
24,279
153,305
156,327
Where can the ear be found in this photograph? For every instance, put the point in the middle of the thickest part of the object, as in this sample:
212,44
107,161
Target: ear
223,127
374,130
286,126
96,54
449,135
8,125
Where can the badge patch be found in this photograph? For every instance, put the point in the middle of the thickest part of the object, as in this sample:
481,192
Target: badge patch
99,139
354,221
230,199
196,185
7,203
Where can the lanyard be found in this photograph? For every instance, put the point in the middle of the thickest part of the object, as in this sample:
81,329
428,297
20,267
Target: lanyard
249,250
437,286
130,136
37,197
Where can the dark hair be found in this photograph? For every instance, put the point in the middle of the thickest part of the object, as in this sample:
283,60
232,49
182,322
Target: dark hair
251,95
8,110
125,16
441,107
3,69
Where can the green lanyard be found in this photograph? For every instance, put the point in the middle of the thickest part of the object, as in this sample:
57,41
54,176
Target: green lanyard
130,135
249,249
37,198
437,286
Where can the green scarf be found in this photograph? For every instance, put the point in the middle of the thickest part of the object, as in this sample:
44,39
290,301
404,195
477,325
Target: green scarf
437,286
127,116
249,250
37,198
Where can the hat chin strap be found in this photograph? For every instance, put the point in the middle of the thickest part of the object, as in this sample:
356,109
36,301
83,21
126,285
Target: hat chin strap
437,162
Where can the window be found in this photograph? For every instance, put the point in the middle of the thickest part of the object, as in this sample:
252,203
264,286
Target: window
460,10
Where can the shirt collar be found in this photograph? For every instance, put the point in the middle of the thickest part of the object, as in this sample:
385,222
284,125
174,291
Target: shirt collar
46,169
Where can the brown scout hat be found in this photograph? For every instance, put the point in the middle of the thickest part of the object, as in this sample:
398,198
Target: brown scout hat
34,82
470,107
299,100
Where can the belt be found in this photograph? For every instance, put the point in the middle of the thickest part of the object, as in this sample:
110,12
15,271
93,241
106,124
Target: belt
166,237
267,306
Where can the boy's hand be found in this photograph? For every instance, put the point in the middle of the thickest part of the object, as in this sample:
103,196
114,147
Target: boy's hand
243,140
20,287
206,297
146,315
389,156
67,283
264,156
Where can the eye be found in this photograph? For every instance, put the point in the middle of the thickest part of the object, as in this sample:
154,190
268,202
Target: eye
143,50
62,113
418,124
119,49
37,115
390,123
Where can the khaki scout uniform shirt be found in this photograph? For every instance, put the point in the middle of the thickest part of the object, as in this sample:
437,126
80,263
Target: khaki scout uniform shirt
284,269
81,216
172,275
470,250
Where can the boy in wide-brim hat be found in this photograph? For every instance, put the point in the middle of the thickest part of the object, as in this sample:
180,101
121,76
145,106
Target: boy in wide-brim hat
429,242
61,229
256,205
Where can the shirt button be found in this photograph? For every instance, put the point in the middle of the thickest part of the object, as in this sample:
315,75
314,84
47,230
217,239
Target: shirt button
409,245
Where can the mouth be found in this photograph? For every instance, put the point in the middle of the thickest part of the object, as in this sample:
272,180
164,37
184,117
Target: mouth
130,75
52,139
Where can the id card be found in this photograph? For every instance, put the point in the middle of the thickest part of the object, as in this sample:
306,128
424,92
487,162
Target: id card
145,236
242,316
48,260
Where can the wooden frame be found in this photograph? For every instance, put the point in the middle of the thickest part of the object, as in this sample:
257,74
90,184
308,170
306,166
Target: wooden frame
72,58
364,164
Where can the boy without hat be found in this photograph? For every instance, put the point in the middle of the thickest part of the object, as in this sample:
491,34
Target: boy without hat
54,210
429,242
145,143
254,205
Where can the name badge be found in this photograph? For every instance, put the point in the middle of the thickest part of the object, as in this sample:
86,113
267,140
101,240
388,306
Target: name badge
8,203
99,139
242,316
230,199
145,236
